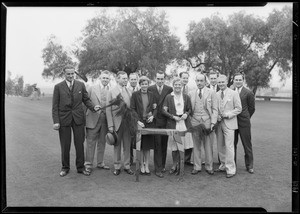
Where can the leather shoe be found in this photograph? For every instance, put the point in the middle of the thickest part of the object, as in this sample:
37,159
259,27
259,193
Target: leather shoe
129,171
85,172
211,172
147,173
230,175
188,163
163,170
172,171
220,170
63,173
159,174
89,170
117,172
194,171
251,171
103,167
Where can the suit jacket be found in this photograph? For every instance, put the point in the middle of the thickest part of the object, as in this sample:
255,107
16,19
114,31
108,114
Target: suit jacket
171,110
136,103
231,106
160,118
95,93
210,103
67,105
248,107
112,119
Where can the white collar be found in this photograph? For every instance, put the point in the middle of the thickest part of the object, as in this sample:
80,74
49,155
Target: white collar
239,89
69,83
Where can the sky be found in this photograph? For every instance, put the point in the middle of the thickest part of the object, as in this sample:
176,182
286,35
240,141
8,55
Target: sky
28,29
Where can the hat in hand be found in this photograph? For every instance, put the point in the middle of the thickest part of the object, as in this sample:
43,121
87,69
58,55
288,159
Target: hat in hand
111,138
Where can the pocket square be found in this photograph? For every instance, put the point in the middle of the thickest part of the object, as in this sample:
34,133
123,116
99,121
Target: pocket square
79,92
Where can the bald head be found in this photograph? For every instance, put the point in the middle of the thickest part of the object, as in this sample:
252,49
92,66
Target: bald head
200,80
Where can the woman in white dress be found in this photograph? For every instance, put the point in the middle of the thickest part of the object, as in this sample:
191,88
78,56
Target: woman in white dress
177,107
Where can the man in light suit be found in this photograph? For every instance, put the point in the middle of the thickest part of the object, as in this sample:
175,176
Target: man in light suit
184,76
67,115
244,124
96,124
160,91
229,106
133,86
205,111
115,123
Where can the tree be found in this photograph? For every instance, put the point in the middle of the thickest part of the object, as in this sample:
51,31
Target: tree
243,43
19,85
28,89
55,58
132,41
9,84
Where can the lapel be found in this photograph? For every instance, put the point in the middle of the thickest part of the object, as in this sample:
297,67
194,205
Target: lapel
193,98
226,96
98,92
139,99
66,87
243,92
173,103
205,93
163,93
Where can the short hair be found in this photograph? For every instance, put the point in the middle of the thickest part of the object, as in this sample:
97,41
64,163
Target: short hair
68,67
212,73
184,72
160,72
176,79
198,74
131,74
238,74
121,73
105,72
143,79
223,76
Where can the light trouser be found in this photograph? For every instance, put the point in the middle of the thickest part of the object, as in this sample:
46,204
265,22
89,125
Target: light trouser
225,144
96,136
208,149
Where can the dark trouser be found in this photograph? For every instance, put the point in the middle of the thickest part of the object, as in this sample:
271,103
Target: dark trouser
188,155
131,154
65,143
245,134
160,151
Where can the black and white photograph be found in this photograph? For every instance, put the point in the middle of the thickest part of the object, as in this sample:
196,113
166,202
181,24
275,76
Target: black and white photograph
148,107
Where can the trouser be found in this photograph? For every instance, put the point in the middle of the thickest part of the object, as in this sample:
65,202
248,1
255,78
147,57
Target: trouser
65,143
124,140
96,137
225,139
188,154
160,151
245,134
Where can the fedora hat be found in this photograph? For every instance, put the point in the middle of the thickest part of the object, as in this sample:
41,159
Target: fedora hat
111,138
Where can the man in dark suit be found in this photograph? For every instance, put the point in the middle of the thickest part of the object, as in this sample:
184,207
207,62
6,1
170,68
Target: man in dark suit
160,91
67,114
244,124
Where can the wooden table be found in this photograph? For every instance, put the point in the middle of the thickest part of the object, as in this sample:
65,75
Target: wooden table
172,133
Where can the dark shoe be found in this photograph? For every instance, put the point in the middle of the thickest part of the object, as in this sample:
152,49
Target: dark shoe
251,171
230,175
104,167
211,172
172,171
159,174
129,171
89,170
189,163
194,171
203,163
85,172
63,173
163,170
177,172
117,172
147,173
220,170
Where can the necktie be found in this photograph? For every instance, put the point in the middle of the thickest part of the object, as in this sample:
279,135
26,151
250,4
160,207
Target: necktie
222,95
71,86
200,94
160,89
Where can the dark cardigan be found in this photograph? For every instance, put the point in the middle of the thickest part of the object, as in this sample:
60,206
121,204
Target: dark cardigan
187,109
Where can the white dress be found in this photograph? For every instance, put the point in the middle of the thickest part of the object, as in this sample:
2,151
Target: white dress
187,140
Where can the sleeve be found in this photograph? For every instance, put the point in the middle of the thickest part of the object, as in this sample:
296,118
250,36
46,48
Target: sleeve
109,111
214,107
188,105
55,104
237,106
166,107
251,103
86,99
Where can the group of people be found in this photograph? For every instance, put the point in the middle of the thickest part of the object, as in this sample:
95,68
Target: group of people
224,111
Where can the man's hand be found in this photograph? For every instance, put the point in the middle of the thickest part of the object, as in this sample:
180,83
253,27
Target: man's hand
111,129
184,116
97,107
141,124
150,119
212,126
56,126
225,116
176,118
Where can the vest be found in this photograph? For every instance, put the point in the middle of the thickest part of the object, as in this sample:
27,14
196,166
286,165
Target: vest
200,112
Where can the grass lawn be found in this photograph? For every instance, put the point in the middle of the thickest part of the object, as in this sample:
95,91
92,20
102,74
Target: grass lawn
33,164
